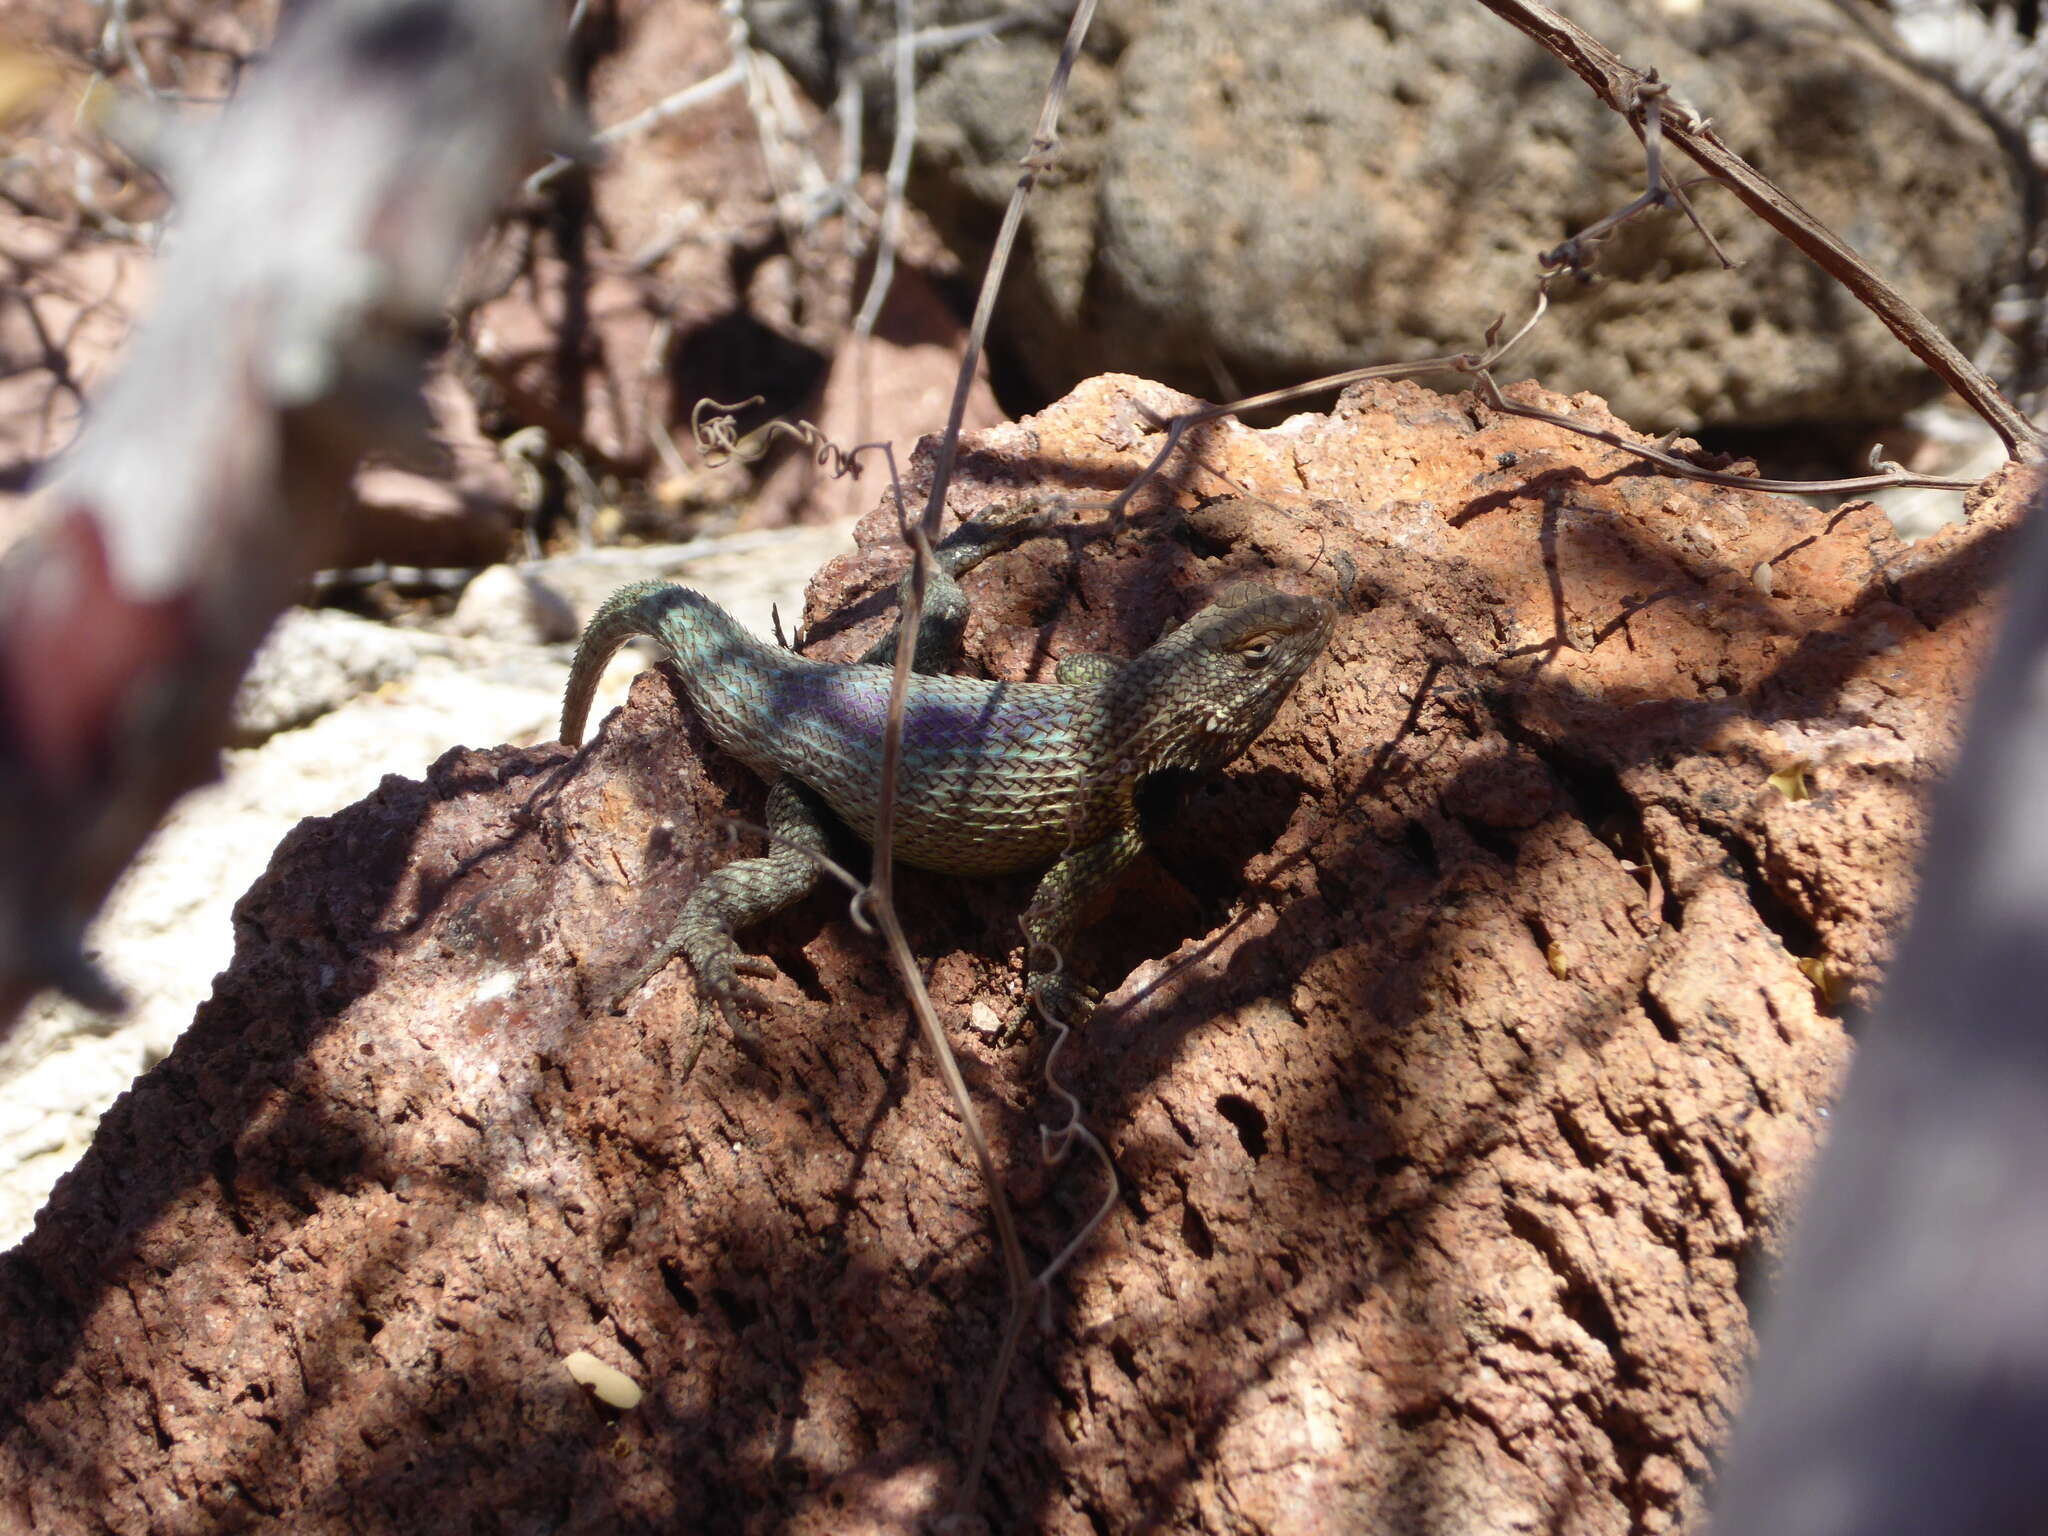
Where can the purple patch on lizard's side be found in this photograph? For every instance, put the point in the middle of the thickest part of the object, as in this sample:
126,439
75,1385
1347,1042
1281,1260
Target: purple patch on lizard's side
854,706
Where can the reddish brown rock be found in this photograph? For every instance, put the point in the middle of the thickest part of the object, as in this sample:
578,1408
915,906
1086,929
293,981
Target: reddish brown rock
460,503
1459,1062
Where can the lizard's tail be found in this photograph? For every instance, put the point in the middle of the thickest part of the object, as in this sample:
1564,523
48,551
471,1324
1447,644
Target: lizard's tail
630,611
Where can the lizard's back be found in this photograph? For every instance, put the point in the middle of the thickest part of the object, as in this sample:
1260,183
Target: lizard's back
995,775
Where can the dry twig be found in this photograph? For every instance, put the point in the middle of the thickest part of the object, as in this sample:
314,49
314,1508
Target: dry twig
922,534
1623,89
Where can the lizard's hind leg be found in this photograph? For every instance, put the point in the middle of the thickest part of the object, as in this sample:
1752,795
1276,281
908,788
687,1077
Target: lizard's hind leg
738,895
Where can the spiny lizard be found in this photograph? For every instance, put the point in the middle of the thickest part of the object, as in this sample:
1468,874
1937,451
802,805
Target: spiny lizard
996,776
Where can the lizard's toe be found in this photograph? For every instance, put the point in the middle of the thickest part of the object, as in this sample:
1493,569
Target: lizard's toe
731,1007
719,963
727,1005
1058,997
636,981
718,978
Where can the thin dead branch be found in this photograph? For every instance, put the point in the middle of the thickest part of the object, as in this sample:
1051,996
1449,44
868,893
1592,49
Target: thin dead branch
1885,475
883,906
1623,89
898,175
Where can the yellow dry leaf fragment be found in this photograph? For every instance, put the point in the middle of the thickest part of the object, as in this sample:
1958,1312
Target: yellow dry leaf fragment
1790,781
1827,982
612,1387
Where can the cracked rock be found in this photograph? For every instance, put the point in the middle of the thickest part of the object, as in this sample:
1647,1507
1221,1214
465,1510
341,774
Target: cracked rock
1462,1055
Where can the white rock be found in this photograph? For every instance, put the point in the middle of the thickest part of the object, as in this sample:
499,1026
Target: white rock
506,604
314,661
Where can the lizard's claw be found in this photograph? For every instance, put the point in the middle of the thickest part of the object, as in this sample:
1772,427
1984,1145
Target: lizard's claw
1062,999
636,981
719,965
735,998
729,1001
728,1005
729,1008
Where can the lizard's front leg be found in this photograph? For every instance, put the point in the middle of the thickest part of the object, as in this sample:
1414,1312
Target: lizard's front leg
1054,915
739,894
945,603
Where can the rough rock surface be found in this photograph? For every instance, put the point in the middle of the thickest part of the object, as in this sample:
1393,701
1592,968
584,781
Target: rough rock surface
1460,1064
1340,182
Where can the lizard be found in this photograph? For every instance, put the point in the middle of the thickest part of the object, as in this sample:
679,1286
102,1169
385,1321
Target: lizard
995,777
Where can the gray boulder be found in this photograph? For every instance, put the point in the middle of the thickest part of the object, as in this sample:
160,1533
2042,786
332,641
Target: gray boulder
1256,195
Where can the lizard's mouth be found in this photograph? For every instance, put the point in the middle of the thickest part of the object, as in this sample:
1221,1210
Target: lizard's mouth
1307,621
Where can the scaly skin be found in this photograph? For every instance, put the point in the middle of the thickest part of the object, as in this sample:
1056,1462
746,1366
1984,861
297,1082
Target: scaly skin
996,776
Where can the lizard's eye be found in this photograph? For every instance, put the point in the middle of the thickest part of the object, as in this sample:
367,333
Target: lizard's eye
1258,653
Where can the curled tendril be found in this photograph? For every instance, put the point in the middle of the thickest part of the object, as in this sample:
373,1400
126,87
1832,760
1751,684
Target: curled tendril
719,441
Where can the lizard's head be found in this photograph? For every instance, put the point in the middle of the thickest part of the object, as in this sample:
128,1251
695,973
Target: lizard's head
1211,686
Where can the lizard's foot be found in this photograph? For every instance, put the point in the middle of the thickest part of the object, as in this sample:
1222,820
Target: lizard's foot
727,1000
1061,999
718,965
727,1008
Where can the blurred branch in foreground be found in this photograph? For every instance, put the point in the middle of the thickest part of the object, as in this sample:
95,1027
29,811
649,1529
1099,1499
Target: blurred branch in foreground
1902,1381
322,219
